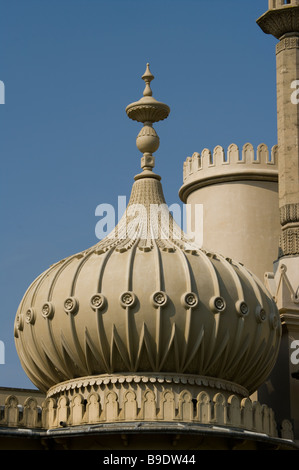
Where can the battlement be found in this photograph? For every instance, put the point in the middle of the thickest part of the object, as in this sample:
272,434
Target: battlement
209,167
232,160
273,4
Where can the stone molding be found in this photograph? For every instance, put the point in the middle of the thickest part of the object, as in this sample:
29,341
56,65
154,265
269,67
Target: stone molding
148,112
280,21
288,42
94,382
289,213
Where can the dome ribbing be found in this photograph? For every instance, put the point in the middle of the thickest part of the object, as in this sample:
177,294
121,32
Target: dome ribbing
147,301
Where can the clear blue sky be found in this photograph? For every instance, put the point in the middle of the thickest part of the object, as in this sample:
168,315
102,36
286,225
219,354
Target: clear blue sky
70,68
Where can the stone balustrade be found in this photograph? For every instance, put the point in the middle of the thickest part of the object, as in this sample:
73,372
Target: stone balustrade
206,409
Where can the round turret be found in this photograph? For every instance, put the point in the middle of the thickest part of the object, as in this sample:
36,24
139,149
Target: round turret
237,191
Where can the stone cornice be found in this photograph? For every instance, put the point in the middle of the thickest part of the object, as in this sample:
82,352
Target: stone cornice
107,380
246,175
281,21
290,320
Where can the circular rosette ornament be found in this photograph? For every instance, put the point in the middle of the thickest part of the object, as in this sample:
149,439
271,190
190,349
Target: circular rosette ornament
98,302
127,299
190,300
159,299
71,305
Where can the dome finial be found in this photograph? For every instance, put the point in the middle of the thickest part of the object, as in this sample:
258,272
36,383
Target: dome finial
147,110
147,77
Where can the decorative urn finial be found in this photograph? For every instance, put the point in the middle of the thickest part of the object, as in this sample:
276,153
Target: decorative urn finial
147,110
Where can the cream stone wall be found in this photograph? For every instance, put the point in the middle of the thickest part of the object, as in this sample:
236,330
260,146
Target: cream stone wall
239,194
21,394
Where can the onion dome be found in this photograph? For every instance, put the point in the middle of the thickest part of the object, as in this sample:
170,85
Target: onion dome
146,300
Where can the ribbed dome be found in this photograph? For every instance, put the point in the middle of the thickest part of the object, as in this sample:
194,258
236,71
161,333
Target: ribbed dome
146,300
145,304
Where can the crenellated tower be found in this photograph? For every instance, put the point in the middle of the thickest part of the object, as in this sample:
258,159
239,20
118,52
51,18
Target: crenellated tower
282,21
238,191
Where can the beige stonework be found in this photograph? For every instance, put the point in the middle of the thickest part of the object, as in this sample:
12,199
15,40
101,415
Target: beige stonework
242,182
282,21
148,399
148,340
148,327
21,394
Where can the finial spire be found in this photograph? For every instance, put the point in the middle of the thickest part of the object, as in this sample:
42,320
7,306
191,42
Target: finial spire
147,77
147,110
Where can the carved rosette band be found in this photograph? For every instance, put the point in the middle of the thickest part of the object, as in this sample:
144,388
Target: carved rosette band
289,42
128,299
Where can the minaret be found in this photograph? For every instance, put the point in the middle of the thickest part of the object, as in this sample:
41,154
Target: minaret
282,21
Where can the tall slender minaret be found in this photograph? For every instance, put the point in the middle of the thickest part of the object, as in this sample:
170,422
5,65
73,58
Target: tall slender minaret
282,21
